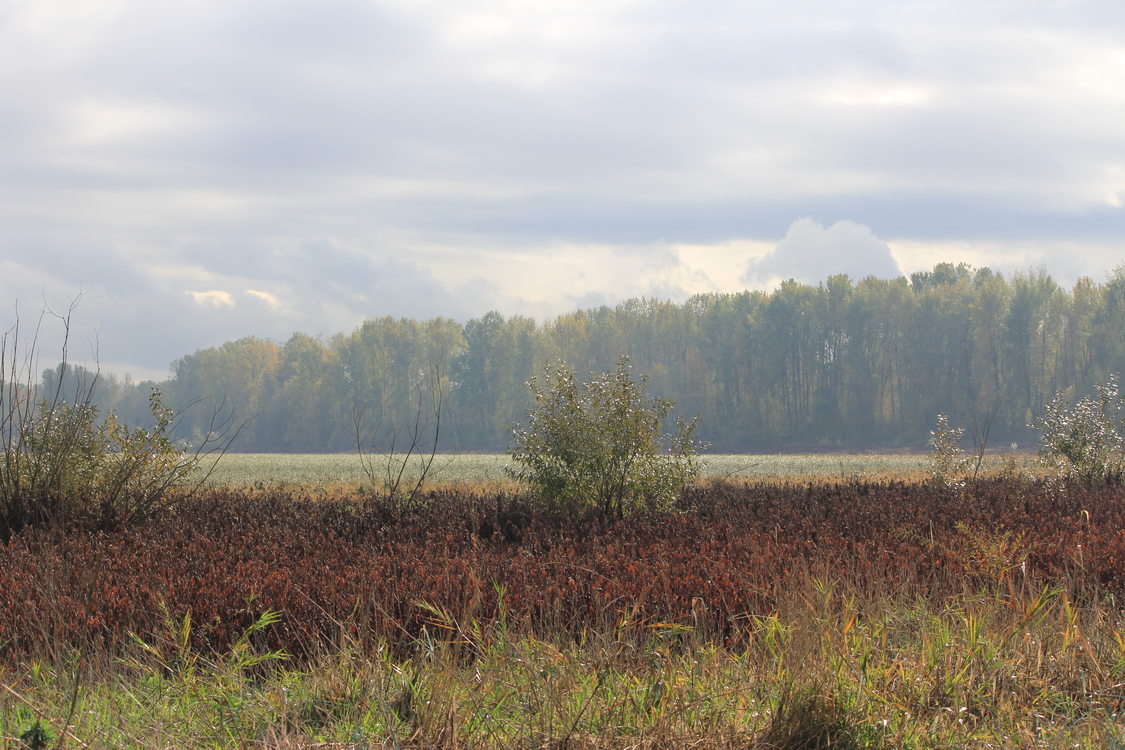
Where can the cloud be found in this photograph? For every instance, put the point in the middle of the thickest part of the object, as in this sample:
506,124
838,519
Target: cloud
273,302
175,307
212,298
322,163
811,253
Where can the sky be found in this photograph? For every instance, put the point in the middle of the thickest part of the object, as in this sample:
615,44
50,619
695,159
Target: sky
196,171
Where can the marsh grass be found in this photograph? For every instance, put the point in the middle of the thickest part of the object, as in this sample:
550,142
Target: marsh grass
1021,655
836,666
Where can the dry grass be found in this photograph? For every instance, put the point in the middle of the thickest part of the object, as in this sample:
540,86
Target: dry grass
1006,668
1017,655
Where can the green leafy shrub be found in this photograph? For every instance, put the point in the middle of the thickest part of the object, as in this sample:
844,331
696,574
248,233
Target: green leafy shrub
599,445
62,460
68,462
1085,441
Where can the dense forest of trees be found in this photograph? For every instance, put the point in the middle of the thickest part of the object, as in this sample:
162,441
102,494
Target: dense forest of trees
841,364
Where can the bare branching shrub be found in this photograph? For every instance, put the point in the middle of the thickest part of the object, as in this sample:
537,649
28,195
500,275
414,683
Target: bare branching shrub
600,446
397,475
1085,441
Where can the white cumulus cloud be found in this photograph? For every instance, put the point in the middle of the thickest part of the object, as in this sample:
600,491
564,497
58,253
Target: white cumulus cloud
811,252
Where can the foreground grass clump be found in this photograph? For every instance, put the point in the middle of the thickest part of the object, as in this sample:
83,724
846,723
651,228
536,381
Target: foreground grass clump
846,615
825,670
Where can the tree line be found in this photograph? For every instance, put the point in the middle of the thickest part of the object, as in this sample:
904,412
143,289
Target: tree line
842,364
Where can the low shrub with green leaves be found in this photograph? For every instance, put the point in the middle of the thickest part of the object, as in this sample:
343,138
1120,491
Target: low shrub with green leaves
600,445
65,461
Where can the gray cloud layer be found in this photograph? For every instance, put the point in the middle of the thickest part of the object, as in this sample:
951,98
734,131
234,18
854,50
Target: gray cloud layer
210,169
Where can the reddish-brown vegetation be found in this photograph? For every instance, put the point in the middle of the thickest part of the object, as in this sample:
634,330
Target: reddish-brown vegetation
334,567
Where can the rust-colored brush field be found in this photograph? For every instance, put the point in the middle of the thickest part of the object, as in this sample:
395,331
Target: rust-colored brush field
347,567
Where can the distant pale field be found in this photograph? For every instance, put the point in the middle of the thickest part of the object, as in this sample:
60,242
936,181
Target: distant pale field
334,469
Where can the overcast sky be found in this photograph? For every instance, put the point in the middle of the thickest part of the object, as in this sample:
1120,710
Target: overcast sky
210,169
